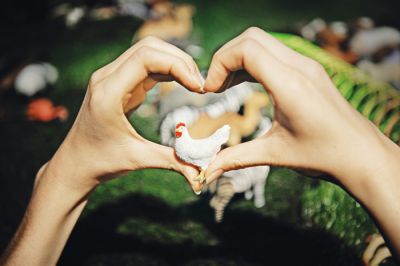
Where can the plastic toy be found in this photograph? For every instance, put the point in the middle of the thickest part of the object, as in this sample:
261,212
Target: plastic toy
43,110
199,152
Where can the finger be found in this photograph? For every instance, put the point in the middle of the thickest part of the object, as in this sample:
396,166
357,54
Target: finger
163,157
265,68
260,151
282,52
156,43
235,78
149,60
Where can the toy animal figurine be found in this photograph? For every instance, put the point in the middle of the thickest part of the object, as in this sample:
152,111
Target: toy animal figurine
241,125
34,78
249,180
199,152
177,25
383,71
367,42
311,29
43,110
176,110
376,252
221,197
332,39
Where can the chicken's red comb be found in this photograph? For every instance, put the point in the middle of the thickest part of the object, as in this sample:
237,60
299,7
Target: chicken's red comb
180,124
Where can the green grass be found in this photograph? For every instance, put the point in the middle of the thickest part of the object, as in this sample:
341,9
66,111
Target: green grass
329,207
175,233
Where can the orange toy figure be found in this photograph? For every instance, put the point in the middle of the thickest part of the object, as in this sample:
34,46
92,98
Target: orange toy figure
176,25
43,110
241,125
332,44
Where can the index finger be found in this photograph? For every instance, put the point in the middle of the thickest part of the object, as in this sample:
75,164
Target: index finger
278,78
145,62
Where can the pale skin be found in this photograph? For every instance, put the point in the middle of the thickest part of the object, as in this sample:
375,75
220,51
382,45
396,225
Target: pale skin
314,128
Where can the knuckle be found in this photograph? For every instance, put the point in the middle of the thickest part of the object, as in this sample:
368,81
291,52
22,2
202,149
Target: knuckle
216,56
149,40
144,51
236,163
252,31
95,77
248,45
96,96
315,68
190,59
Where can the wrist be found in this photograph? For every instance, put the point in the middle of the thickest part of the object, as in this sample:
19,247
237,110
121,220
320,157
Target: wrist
378,174
64,170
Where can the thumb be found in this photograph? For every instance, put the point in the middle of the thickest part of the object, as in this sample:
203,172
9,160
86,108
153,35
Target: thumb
163,157
260,151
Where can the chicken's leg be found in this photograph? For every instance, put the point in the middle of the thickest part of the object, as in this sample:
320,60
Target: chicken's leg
201,177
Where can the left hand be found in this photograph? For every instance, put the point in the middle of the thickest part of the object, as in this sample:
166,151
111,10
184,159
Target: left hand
102,143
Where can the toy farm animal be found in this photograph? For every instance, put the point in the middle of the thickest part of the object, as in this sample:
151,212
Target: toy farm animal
175,108
35,77
177,25
241,125
43,110
376,252
199,152
366,42
249,180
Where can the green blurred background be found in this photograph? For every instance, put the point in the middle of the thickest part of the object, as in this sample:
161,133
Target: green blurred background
151,217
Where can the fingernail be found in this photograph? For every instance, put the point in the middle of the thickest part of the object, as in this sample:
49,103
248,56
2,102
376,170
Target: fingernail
198,191
197,188
213,176
201,81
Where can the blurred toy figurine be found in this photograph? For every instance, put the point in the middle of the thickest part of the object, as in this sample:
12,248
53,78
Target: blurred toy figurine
35,77
241,125
376,252
249,180
367,42
176,25
43,110
199,152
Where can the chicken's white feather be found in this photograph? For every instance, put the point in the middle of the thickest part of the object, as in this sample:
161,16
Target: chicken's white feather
201,152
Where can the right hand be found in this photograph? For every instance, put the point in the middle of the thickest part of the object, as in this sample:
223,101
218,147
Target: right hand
314,127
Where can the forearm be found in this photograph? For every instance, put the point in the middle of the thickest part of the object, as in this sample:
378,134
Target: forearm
377,186
48,221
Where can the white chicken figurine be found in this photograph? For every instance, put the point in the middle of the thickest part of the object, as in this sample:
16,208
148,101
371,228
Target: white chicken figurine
199,152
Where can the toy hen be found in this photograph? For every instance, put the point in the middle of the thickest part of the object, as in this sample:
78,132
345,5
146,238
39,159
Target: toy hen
199,152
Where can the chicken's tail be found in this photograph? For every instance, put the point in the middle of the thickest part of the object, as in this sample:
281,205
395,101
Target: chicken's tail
222,134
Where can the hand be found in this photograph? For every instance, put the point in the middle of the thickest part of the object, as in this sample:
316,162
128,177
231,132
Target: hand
314,127
102,143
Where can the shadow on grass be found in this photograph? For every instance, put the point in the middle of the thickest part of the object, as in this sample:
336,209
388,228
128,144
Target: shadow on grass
244,238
